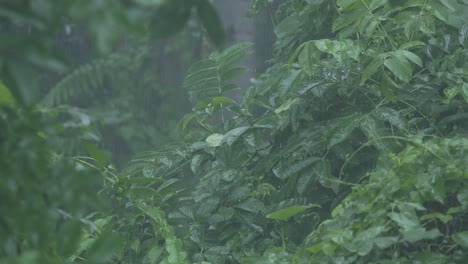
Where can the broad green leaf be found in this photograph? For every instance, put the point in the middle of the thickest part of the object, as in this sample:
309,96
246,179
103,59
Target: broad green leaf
143,193
174,248
252,205
304,181
363,243
154,213
6,98
347,19
295,54
285,106
232,73
201,66
463,36
222,100
223,214
451,92
326,179
233,55
324,45
427,25
385,242
308,56
405,17
372,26
464,91
419,233
410,56
231,136
370,69
238,193
411,27
287,27
167,183
344,4
399,67
344,127
69,238
213,257
289,212
451,5
443,218
288,83
201,77
374,131
153,254
374,4
392,116
406,222
170,17
413,3
291,169
411,44
430,257
99,155
386,86
103,248
211,22
207,207
215,140
461,238
197,161
141,180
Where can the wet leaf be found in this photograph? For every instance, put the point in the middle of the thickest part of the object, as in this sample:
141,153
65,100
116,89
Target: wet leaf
215,140
289,212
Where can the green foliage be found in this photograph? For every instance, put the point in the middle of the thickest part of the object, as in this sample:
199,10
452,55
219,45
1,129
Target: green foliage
30,27
115,101
323,160
43,203
209,79
412,209
45,195
331,124
351,148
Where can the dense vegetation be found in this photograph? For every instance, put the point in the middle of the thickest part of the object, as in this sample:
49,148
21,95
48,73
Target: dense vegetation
351,148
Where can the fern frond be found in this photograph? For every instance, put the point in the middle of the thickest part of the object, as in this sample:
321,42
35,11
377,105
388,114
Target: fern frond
81,81
211,78
88,79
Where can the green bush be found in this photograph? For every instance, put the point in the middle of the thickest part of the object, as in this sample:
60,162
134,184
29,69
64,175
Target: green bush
350,148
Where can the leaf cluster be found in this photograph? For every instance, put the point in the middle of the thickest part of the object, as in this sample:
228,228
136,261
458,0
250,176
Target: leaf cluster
350,148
